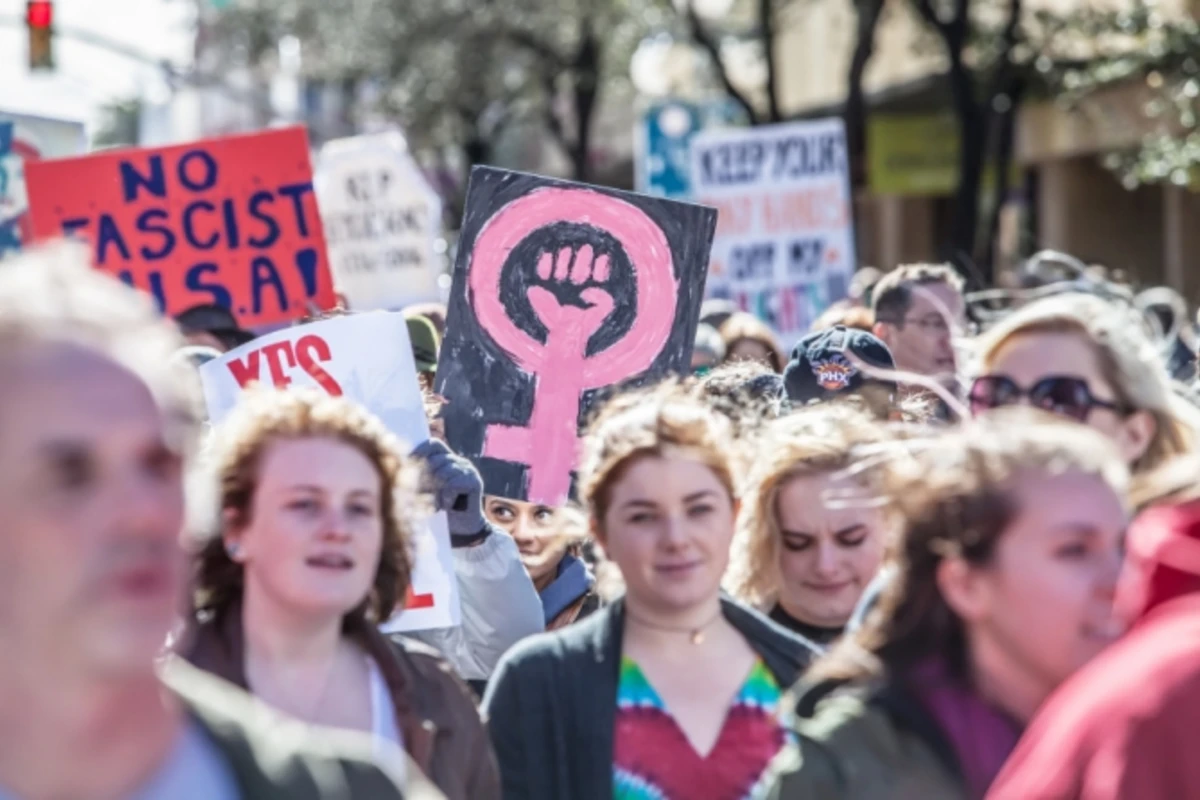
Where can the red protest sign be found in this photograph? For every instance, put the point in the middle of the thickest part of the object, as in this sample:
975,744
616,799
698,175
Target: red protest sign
230,221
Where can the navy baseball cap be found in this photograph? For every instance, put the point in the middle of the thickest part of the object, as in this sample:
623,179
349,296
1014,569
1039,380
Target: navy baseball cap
825,364
217,320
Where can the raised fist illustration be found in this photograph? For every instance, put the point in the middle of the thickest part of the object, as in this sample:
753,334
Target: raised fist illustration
575,267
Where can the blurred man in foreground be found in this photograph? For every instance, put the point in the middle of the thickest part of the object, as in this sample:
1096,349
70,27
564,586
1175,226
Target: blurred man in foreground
94,430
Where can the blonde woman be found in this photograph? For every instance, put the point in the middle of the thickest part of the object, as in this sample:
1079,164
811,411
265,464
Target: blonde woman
807,543
1084,358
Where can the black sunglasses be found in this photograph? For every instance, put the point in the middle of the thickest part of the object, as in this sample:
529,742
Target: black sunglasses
1060,394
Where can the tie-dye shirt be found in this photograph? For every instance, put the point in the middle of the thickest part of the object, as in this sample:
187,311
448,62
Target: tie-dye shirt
653,759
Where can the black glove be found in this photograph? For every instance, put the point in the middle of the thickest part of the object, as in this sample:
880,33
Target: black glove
457,489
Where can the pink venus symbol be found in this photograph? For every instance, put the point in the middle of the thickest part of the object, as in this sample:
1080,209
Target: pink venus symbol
562,370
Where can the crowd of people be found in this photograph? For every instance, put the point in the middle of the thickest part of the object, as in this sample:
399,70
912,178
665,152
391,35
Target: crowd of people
948,546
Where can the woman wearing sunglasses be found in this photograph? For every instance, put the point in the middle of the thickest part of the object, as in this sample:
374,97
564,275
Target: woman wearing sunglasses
1084,358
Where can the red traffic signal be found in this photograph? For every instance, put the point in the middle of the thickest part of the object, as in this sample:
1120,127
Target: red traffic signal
39,18
39,14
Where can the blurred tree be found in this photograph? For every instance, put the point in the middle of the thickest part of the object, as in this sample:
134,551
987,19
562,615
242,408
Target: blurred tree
729,36
867,16
979,41
246,35
1142,45
120,124
455,74
999,53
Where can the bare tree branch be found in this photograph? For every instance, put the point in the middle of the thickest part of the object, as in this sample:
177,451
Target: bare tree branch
586,75
925,9
708,43
766,14
538,47
855,112
962,19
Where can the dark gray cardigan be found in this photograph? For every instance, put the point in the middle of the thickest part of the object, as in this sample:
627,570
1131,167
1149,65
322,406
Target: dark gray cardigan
551,704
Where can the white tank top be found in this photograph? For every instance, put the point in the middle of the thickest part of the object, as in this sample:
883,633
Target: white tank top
384,727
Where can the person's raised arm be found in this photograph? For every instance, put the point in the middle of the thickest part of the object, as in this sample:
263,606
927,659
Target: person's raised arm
500,605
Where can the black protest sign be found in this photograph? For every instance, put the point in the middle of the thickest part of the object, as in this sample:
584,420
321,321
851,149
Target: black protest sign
561,290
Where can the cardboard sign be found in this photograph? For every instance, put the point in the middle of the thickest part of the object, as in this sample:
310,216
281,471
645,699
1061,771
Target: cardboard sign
560,290
367,358
23,139
381,221
231,222
784,248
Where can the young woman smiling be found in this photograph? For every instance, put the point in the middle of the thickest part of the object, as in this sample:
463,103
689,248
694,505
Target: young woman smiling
549,541
672,690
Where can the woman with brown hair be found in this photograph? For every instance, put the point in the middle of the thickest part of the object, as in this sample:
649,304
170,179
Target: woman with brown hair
550,541
672,691
747,338
314,553
808,544
1010,548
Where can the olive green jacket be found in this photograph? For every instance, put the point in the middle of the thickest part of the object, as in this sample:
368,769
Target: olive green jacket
862,747
273,758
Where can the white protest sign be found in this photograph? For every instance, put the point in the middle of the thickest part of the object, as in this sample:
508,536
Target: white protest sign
784,248
367,358
381,222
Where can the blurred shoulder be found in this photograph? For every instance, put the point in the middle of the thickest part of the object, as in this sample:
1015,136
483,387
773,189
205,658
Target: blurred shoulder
853,745
431,673
572,655
272,755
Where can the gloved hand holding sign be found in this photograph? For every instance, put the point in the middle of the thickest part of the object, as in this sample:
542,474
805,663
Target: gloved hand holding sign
457,489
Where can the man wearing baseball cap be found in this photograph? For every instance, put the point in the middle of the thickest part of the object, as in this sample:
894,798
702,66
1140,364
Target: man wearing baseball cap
212,326
423,337
829,365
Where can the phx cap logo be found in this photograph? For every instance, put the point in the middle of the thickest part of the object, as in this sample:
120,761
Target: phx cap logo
834,373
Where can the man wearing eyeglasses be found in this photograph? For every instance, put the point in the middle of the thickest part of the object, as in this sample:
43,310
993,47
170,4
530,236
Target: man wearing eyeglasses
919,309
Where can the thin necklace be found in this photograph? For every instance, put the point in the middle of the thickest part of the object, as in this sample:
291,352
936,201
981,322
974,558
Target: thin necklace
696,635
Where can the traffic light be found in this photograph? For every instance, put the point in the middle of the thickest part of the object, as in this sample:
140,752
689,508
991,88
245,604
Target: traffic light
39,18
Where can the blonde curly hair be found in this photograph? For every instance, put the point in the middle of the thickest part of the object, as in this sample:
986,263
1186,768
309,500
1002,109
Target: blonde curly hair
817,440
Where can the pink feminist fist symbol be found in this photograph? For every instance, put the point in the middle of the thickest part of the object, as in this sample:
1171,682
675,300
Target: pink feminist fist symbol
562,370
